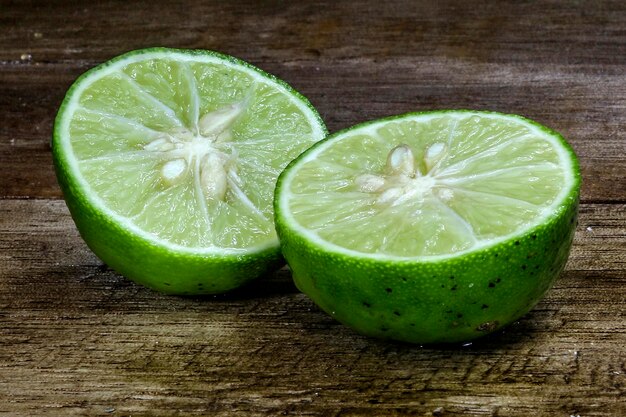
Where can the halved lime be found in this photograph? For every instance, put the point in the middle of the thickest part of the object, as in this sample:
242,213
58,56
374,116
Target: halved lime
168,161
430,227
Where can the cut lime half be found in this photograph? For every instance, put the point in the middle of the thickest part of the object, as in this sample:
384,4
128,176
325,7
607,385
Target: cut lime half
409,219
168,160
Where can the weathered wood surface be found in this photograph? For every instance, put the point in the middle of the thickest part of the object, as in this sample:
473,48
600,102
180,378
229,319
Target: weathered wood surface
78,339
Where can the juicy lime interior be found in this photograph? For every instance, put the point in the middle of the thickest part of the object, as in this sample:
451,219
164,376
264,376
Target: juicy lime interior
186,148
428,185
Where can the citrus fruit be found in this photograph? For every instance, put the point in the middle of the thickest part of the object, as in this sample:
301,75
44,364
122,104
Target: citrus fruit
168,160
430,227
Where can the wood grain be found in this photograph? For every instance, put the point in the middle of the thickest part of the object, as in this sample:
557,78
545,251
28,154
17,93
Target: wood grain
78,339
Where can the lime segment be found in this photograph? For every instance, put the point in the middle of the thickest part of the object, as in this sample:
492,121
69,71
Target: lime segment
158,141
428,185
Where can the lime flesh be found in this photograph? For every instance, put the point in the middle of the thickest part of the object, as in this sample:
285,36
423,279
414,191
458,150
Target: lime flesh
430,227
168,161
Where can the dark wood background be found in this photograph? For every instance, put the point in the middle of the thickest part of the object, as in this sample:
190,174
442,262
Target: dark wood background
78,339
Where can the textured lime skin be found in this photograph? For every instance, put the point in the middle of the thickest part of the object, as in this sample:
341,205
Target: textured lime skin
453,300
155,266
147,262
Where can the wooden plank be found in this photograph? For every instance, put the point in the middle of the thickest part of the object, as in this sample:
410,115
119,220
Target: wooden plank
571,100
78,339
549,31
561,64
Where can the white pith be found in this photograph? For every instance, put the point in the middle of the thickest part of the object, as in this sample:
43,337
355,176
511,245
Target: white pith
201,151
403,181
185,153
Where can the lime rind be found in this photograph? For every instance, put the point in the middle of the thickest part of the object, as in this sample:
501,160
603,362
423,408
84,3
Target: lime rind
81,189
568,191
453,300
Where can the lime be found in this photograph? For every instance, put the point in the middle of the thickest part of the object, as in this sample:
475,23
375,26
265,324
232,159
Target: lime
168,160
430,227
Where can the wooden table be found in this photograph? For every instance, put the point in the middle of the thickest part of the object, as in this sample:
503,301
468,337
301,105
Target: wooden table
76,338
